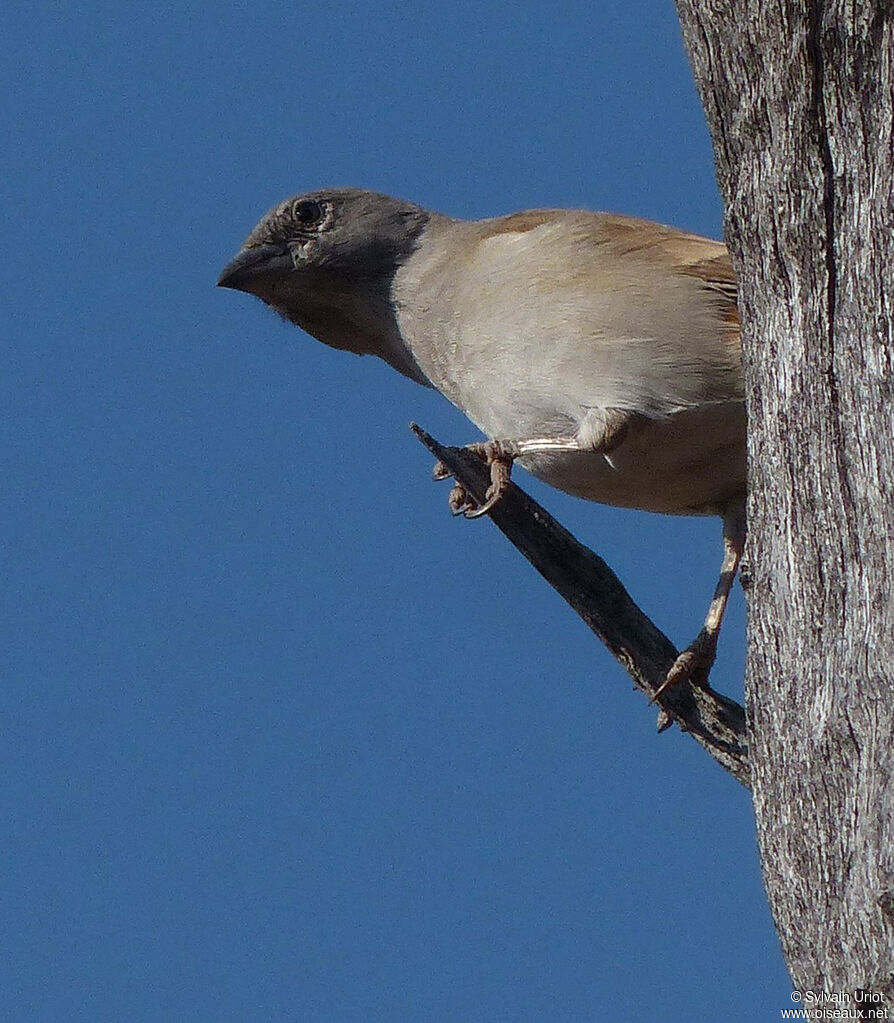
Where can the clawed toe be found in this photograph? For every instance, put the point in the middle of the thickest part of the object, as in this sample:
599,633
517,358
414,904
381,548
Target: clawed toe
460,500
500,473
499,456
692,665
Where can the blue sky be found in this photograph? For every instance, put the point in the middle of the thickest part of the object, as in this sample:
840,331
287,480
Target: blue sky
281,739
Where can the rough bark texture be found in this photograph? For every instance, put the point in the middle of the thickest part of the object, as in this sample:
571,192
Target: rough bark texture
801,110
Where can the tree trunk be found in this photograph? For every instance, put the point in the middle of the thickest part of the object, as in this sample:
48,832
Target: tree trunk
800,107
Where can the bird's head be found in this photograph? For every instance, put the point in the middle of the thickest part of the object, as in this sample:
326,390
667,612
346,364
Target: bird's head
325,260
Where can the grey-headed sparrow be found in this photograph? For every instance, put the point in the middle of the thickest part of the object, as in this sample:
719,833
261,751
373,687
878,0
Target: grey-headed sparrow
600,351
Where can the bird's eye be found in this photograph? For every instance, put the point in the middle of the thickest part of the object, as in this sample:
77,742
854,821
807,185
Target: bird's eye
308,212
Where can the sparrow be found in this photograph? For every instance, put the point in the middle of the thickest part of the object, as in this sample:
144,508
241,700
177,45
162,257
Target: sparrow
600,351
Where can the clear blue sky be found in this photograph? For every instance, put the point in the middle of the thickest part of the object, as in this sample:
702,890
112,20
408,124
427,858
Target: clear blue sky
281,740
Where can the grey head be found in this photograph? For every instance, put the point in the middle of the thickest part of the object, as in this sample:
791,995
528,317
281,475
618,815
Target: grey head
326,260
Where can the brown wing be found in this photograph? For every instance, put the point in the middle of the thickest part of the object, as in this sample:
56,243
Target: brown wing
703,258
690,254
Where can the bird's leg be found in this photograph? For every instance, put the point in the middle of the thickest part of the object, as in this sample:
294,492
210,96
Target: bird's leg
601,430
696,660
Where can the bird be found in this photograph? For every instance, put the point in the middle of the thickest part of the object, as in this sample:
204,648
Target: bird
600,351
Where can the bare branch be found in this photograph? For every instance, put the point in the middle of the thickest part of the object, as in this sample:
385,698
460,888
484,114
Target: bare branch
586,582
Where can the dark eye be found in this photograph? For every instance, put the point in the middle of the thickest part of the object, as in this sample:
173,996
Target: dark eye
308,212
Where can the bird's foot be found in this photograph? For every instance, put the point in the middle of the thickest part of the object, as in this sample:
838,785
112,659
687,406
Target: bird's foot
693,664
499,456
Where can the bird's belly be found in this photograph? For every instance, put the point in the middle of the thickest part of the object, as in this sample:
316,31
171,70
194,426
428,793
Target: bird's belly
688,463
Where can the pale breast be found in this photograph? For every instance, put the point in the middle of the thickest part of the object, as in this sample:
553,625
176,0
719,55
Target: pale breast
530,329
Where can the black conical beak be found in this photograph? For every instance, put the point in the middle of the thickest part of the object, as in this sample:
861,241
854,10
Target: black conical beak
255,266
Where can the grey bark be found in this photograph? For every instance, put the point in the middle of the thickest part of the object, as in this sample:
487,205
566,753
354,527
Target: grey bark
800,103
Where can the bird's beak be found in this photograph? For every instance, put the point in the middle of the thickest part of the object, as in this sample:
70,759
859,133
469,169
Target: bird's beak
256,266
